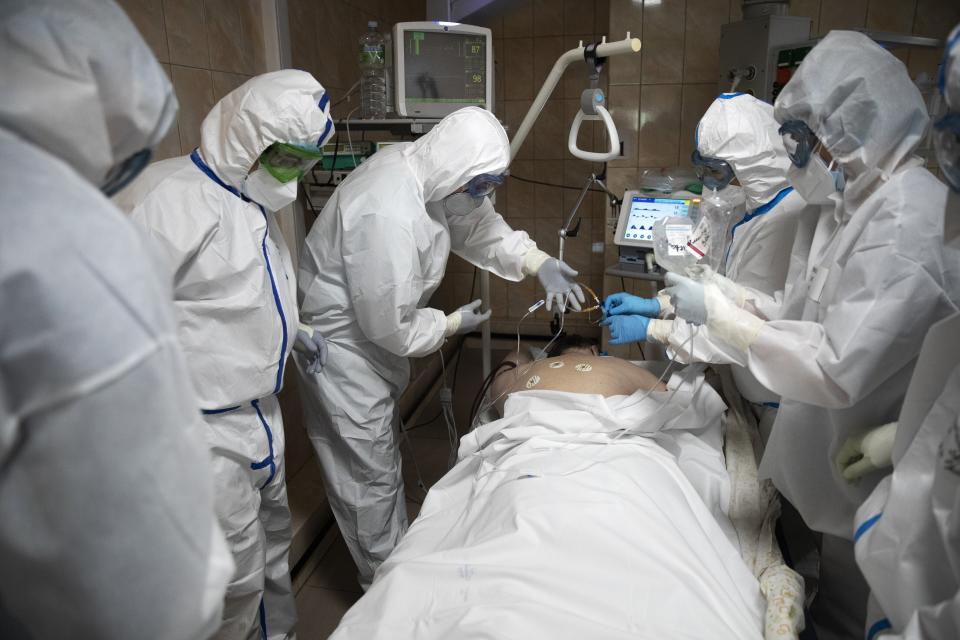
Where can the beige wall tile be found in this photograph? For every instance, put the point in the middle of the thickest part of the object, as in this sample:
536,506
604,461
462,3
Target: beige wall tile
548,201
891,15
626,15
550,132
702,40
578,16
625,110
498,296
186,34
251,22
194,89
304,43
545,233
499,70
224,83
577,78
228,50
520,198
601,20
659,139
169,146
147,17
518,57
514,112
936,17
849,14
548,17
546,50
696,99
663,31
808,9
518,21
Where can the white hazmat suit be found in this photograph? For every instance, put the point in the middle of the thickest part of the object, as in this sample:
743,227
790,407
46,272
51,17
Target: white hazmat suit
768,246
107,527
235,291
876,280
907,531
371,262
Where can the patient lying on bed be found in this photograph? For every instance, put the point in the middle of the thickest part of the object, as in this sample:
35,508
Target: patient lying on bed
575,365
594,508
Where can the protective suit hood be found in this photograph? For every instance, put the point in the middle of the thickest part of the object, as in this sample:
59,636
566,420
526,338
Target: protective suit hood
438,157
948,80
61,77
740,130
281,106
860,102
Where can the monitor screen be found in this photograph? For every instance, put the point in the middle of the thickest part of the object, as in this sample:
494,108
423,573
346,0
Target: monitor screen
441,67
638,226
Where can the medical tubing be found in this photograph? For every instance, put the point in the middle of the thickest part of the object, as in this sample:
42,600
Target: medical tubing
529,364
413,457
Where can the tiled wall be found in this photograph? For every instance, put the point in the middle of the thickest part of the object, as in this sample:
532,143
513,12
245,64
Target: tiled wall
324,34
207,47
659,95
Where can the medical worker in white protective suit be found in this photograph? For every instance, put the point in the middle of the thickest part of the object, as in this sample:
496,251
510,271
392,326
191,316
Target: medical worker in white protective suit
107,524
877,280
372,260
234,288
765,248
907,532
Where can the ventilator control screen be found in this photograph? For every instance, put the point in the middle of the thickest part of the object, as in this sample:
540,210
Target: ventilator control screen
445,68
645,211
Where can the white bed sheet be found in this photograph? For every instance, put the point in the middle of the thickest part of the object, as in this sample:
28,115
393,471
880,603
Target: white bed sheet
548,528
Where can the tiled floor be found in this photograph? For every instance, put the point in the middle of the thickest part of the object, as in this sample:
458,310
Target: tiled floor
332,588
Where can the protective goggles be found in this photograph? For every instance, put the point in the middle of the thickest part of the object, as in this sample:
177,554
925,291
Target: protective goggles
713,172
483,185
287,162
799,141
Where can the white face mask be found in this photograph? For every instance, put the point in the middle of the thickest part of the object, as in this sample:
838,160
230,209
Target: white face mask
461,203
815,182
264,189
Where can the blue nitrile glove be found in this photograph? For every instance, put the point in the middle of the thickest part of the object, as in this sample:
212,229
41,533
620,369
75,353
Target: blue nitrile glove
623,304
627,329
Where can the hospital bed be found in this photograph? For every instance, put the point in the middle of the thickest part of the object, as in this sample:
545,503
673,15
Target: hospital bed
578,516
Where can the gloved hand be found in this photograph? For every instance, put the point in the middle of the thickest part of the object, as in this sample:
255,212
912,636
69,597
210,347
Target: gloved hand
686,295
466,318
621,304
313,346
557,277
627,329
860,455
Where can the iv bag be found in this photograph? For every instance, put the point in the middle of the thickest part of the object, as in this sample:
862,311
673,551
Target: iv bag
681,243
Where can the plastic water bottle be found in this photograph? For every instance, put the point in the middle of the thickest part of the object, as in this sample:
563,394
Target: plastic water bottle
373,82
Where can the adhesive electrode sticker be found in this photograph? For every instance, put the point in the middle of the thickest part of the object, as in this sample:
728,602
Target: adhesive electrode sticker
584,367
677,237
699,239
555,365
533,381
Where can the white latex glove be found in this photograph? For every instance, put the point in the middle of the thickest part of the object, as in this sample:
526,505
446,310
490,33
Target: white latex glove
313,346
729,288
686,296
557,278
864,454
466,318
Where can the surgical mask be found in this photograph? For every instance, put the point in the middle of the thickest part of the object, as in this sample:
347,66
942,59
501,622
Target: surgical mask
261,187
122,174
815,182
461,203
